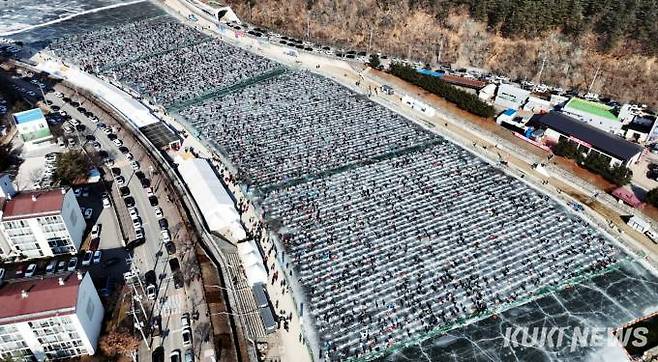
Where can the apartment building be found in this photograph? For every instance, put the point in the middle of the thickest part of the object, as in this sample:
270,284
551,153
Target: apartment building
40,223
57,317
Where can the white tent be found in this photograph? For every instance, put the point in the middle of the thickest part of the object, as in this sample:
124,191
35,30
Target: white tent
213,200
253,263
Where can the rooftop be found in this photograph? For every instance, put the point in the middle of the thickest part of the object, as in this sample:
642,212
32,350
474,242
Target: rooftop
45,297
28,116
601,140
595,108
33,203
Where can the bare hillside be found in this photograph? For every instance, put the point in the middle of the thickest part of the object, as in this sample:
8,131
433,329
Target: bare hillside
427,33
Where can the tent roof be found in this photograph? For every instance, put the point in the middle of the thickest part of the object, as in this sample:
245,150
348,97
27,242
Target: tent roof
213,200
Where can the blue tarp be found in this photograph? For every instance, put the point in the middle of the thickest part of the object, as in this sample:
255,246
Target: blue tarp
430,72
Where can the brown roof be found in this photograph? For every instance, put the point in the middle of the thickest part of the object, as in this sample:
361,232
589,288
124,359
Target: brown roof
22,204
464,82
45,298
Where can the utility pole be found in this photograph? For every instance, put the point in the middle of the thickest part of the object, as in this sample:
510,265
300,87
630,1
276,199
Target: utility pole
589,91
370,40
541,70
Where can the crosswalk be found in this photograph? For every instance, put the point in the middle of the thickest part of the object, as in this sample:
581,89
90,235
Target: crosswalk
175,304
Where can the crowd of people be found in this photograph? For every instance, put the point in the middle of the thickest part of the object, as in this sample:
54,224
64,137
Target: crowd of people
122,43
299,124
392,231
190,72
392,250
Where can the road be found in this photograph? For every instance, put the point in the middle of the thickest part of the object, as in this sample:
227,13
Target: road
170,302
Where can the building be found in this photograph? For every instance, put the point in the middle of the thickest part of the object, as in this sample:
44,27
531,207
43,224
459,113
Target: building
595,114
488,92
511,96
538,103
36,224
54,317
589,138
32,126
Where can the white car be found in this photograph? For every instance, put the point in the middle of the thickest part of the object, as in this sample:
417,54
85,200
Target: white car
151,291
51,267
187,337
77,192
139,234
97,146
29,272
118,142
95,231
108,162
133,213
59,95
165,236
106,202
137,224
88,212
149,192
134,165
185,320
120,180
107,131
130,156
72,264
86,259
158,212
97,256
75,122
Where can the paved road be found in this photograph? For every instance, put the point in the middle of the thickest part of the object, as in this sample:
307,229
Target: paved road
170,302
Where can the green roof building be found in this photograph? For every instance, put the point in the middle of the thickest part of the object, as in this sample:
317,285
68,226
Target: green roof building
595,114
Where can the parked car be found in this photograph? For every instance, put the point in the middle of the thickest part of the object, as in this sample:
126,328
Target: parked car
165,236
153,201
158,354
149,192
51,267
61,266
95,231
106,202
185,320
31,269
2,274
156,325
151,284
175,356
124,191
97,256
158,212
135,243
164,224
86,259
186,334
134,165
88,212
171,248
129,201
174,265
189,356
118,142
72,264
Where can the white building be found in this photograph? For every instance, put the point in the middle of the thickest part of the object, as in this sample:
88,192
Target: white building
51,318
595,114
36,224
418,105
511,96
32,126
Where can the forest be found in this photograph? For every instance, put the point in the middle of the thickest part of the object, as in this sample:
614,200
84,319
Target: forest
612,20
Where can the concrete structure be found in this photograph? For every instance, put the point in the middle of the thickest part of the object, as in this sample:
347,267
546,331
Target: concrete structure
35,224
595,114
558,125
52,318
511,96
32,126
